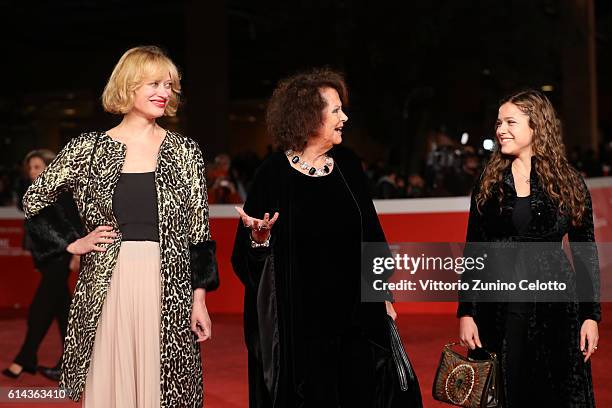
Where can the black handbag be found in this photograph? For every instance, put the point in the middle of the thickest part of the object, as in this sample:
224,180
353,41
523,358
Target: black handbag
405,372
410,393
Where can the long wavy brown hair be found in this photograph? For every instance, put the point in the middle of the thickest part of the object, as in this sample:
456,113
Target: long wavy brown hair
560,181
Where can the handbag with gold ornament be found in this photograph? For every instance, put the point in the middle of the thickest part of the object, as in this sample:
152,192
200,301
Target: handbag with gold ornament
467,381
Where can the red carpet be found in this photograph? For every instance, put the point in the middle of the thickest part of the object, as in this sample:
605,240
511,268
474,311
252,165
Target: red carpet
225,381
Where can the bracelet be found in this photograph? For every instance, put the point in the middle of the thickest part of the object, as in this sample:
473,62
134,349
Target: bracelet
255,244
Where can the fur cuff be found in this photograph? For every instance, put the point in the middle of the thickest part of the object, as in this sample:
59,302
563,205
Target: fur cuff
50,233
590,310
204,269
466,309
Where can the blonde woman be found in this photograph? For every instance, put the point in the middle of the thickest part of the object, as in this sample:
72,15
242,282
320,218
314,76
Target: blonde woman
139,308
529,193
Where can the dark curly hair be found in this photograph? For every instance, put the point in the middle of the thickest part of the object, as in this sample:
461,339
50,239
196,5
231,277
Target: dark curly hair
295,110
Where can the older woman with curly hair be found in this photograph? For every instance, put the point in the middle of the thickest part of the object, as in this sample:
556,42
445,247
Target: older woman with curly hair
311,342
529,193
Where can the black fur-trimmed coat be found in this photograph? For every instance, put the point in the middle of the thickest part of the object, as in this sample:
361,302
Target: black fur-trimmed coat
186,252
556,367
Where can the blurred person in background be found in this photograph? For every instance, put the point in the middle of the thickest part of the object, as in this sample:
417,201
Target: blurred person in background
373,173
401,187
52,298
441,160
387,187
461,181
224,188
416,186
243,170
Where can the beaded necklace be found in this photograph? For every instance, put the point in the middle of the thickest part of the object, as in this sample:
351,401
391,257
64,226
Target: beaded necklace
313,171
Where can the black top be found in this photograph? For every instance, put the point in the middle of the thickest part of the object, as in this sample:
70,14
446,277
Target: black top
135,207
521,216
328,235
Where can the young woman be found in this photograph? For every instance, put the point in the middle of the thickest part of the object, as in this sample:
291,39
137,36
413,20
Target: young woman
139,305
529,193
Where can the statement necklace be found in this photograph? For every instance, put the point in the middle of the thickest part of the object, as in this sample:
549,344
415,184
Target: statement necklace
313,171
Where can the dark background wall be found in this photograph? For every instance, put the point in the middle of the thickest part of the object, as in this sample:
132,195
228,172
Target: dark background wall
413,67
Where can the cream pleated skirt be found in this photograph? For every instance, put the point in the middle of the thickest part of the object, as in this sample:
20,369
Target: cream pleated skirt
125,365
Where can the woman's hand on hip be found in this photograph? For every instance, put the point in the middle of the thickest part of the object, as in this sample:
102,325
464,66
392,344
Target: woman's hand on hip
260,228
200,321
468,333
589,338
103,234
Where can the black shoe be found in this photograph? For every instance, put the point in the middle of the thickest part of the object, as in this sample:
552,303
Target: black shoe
52,373
10,374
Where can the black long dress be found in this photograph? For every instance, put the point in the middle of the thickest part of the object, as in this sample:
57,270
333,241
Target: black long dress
310,341
338,364
544,336
517,324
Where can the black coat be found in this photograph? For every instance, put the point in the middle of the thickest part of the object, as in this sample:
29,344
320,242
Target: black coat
271,314
556,366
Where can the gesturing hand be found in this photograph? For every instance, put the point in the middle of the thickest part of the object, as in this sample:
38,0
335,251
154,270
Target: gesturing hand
101,235
260,228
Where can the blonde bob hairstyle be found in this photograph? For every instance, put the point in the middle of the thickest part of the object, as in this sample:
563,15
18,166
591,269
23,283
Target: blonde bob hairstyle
137,65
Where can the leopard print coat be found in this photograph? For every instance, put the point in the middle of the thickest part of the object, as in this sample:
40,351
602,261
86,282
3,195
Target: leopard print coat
187,254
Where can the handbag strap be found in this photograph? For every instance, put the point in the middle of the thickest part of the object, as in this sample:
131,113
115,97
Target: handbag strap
404,369
455,343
